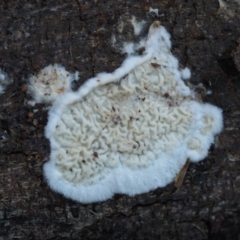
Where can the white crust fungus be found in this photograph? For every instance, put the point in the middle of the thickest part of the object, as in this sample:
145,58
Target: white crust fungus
49,83
130,131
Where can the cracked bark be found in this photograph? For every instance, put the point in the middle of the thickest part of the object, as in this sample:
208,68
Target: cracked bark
77,34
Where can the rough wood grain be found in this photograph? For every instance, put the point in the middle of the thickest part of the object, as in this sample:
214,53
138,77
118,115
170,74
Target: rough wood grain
77,34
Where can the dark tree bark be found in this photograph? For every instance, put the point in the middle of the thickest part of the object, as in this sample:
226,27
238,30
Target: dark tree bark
77,34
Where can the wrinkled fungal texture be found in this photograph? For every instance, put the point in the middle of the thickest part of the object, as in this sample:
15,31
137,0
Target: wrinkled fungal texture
130,134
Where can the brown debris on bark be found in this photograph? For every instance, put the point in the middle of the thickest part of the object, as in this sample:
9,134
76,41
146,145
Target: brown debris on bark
181,175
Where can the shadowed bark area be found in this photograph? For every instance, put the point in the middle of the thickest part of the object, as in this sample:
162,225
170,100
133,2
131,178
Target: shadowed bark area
78,34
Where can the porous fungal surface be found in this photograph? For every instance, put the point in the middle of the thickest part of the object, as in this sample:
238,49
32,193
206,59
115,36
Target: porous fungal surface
130,131
49,83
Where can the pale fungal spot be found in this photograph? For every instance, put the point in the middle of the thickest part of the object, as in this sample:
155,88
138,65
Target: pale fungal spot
49,83
129,137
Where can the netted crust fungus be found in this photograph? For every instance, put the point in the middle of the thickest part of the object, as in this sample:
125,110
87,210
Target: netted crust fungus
130,131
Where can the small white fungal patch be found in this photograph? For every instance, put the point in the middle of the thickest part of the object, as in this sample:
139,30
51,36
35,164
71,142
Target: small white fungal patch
49,83
137,26
209,92
153,11
130,131
185,73
4,81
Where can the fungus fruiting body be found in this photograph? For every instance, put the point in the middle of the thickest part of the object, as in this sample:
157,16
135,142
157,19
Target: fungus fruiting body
49,83
130,131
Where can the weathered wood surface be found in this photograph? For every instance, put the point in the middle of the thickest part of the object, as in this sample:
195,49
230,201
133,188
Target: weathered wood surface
77,34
